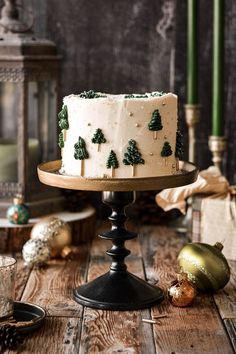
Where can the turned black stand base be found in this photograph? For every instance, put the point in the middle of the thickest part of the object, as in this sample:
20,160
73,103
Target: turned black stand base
118,289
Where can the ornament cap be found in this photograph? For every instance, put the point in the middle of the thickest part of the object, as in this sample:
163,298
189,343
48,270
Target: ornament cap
219,246
182,276
66,252
18,199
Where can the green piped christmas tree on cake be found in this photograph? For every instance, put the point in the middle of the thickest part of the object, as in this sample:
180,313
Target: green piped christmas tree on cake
166,151
132,156
98,138
81,153
112,162
155,123
64,126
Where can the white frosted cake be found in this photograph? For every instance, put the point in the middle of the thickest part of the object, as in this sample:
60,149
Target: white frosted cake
119,136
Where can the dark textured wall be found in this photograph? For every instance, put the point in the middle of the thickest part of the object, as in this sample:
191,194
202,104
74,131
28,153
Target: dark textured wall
140,45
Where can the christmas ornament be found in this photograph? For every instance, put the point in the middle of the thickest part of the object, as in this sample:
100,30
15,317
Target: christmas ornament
206,266
53,231
181,291
36,252
18,213
10,338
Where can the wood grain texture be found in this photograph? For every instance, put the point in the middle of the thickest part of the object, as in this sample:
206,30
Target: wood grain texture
113,332
52,287
197,329
193,330
49,175
57,335
230,325
226,299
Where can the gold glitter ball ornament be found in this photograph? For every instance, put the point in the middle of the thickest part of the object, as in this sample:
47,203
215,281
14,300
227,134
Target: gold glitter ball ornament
205,265
55,232
181,292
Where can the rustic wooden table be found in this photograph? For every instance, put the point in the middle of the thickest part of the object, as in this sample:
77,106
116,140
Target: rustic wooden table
209,326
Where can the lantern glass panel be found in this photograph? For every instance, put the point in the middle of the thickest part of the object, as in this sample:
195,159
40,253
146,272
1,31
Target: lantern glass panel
9,100
42,108
42,126
42,100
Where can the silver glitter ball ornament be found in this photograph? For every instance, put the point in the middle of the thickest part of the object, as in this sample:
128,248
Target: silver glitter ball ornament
36,252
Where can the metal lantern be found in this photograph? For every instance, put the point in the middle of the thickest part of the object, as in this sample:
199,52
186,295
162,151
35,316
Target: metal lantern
29,71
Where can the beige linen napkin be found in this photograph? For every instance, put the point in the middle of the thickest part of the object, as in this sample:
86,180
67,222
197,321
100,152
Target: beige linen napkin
209,181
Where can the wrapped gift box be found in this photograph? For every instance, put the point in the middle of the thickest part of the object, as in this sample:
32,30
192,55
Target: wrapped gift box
214,220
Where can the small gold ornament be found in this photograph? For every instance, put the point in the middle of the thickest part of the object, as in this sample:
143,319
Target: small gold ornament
181,292
55,232
206,266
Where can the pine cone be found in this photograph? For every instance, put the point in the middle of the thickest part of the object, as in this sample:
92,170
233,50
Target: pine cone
10,338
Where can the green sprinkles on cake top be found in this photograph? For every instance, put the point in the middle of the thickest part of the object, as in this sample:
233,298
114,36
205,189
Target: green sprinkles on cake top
129,96
136,96
90,94
157,94
146,95
142,96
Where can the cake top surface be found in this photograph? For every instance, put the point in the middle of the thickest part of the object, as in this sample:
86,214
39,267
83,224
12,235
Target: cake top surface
116,97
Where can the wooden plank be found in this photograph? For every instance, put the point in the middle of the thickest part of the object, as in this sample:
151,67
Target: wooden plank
57,335
115,331
196,329
52,287
226,299
230,325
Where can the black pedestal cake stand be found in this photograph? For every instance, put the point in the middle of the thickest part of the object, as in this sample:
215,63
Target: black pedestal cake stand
117,289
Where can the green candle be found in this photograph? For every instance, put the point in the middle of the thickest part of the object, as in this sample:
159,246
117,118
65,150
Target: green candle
192,52
218,68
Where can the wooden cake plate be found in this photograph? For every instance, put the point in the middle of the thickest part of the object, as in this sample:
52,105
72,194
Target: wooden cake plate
117,289
48,173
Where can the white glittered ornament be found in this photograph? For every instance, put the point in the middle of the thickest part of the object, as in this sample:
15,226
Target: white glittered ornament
36,252
54,231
